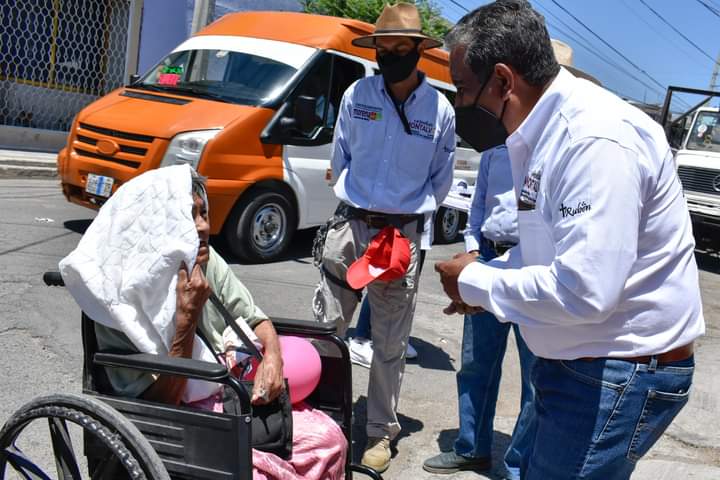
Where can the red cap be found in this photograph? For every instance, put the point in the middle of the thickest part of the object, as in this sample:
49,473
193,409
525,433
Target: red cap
387,258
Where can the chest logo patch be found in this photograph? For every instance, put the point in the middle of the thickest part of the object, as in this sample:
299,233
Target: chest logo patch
367,112
423,129
530,188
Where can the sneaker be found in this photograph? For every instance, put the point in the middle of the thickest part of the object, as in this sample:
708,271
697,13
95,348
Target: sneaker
377,454
361,351
411,353
451,462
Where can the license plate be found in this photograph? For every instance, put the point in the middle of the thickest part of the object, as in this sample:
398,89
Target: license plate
99,185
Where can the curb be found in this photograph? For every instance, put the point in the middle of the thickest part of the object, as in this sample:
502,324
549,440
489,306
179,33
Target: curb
24,164
14,171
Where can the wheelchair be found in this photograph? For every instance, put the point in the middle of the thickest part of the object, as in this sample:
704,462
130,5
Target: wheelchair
130,438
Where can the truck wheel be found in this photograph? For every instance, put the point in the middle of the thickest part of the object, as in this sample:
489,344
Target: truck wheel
260,226
448,223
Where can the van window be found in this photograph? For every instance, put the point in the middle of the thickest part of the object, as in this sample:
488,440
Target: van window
326,81
235,77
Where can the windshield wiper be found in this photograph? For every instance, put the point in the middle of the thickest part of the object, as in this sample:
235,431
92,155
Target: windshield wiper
146,86
196,92
193,91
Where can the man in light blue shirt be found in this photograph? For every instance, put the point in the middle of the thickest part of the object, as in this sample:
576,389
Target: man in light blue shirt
492,229
393,165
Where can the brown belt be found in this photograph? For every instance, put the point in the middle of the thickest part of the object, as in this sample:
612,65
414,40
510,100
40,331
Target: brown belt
676,355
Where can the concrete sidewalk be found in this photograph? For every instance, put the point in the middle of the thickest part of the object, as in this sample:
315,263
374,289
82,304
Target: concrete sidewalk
18,163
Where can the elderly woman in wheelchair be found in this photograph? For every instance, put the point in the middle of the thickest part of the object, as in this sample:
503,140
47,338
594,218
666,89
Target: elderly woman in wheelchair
207,428
194,313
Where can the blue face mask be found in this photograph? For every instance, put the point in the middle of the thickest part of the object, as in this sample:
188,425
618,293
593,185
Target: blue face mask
478,126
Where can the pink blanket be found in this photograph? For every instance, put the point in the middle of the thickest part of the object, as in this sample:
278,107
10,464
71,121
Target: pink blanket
319,447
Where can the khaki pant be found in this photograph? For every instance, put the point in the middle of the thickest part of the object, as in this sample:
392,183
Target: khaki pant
392,305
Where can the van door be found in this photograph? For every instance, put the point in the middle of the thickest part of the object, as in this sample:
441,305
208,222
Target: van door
306,166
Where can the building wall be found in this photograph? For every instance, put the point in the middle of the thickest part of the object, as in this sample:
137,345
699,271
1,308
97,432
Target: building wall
165,25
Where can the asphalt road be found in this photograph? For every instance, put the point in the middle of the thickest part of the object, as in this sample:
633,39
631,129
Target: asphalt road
40,340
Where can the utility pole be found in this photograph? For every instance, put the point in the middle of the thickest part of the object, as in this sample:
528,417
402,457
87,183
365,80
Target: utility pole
202,14
714,79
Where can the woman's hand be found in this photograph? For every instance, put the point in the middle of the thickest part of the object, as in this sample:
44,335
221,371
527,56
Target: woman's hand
192,292
268,379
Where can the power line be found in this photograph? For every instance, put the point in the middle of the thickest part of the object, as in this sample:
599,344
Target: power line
459,5
455,6
676,31
715,11
662,87
653,27
587,46
582,42
609,62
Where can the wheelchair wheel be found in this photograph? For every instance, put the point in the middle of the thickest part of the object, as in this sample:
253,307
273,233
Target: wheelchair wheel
37,442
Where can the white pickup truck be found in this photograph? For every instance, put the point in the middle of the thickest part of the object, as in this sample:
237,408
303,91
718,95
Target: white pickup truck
695,138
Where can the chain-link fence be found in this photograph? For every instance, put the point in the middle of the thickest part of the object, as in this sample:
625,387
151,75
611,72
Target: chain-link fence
56,56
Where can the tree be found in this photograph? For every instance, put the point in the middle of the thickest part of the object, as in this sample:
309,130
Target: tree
433,23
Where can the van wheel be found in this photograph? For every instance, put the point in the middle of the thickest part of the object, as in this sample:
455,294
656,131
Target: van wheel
448,223
260,226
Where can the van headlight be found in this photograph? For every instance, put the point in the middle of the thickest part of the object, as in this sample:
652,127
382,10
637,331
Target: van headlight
188,148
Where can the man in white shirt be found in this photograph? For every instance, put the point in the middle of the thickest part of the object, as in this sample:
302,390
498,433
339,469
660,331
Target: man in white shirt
392,161
604,283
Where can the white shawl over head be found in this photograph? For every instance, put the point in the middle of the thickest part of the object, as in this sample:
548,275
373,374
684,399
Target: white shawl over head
123,272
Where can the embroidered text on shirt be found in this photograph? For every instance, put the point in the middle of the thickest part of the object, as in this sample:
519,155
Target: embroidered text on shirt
423,129
581,207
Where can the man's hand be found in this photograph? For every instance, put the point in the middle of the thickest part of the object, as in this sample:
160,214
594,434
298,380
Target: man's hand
450,271
192,293
268,381
461,309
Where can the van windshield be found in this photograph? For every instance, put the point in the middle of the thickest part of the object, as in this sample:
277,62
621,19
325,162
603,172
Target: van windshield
227,76
705,133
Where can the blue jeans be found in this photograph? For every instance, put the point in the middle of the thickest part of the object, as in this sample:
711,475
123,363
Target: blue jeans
362,330
595,419
478,381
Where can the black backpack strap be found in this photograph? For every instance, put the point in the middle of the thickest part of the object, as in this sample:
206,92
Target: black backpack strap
340,282
230,322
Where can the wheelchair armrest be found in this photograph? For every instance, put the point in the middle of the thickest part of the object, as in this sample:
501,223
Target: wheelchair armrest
183,367
303,327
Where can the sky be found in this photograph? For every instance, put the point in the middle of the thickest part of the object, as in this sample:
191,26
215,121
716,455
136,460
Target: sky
632,29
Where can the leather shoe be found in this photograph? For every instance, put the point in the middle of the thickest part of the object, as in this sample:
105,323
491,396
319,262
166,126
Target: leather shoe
377,455
451,462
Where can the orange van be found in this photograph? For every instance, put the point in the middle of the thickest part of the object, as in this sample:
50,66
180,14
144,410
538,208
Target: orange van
250,102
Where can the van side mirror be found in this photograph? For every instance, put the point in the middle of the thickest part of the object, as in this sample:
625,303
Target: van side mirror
297,123
305,112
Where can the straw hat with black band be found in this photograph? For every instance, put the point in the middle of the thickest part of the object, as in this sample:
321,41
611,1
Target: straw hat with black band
400,20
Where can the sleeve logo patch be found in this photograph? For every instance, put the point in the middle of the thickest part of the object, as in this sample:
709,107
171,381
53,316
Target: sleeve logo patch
571,211
367,113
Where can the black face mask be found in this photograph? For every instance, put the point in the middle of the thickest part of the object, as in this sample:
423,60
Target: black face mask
396,68
480,127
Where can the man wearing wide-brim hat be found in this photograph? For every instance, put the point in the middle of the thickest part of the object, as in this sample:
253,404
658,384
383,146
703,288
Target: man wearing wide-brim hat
393,164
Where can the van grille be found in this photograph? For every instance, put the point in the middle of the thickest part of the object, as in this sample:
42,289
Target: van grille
132,147
702,180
